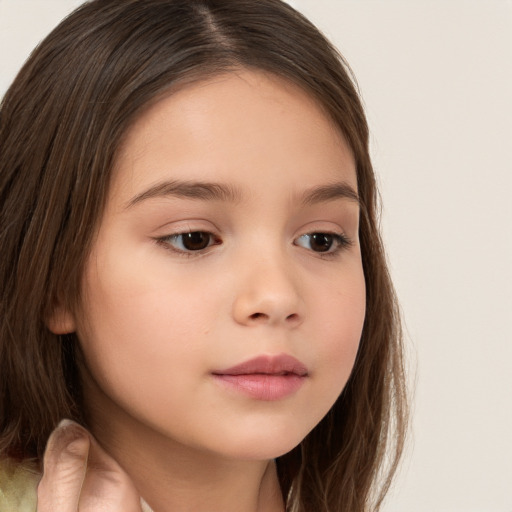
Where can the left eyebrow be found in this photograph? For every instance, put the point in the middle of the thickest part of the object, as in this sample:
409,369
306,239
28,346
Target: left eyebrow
331,192
204,191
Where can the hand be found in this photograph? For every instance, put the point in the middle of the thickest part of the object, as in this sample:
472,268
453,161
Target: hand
80,476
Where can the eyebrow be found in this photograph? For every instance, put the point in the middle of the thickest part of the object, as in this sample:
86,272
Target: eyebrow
331,192
189,189
207,191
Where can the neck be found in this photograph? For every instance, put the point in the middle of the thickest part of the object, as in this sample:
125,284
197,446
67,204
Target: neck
176,478
222,489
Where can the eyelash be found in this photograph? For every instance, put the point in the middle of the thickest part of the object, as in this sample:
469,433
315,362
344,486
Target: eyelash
340,242
166,242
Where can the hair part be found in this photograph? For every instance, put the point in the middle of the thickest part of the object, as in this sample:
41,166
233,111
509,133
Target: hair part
62,123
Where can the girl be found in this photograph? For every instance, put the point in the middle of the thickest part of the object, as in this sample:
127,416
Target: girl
192,271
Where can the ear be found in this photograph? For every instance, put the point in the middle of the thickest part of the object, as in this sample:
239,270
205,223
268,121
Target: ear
61,321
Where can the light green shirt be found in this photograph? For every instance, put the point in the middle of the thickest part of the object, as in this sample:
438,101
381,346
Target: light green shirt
18,487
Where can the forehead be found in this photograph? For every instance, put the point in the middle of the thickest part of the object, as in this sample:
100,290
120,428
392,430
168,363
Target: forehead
239,127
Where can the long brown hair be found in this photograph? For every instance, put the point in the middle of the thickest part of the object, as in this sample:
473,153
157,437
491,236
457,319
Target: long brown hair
62,121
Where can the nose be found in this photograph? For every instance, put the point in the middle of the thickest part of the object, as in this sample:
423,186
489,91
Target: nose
268,293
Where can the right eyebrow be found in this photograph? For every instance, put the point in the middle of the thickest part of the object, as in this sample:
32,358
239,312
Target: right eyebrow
330,192
206,191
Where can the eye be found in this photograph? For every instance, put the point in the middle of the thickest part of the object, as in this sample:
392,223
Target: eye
192,241
323,242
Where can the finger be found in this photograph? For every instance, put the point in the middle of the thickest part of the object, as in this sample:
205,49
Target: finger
80,476
64,469
107,487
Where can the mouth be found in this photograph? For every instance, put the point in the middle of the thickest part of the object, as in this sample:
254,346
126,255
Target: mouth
266,378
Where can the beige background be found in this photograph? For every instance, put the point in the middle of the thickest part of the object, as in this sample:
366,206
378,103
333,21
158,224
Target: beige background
436,78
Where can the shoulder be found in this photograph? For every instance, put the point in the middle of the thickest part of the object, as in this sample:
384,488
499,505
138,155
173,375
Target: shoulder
18,486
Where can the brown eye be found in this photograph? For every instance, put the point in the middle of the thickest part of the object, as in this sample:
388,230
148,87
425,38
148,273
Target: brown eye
196,240
192,241
321,242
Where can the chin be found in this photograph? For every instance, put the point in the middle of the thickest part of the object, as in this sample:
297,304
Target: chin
264,445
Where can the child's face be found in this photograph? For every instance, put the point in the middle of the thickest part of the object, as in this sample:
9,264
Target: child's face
234,160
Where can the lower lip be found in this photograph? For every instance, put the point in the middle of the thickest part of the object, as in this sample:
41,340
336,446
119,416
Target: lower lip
263,387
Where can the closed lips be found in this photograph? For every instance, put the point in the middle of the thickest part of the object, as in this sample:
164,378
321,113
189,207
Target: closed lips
282,364
264,378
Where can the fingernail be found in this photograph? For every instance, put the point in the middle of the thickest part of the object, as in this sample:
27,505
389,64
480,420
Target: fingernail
65,423
67,431
70,430
69,436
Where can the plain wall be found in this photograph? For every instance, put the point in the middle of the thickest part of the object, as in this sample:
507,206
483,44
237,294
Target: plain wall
436,78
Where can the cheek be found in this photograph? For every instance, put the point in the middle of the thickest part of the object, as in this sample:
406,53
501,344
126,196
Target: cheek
139,329
136,298
341,318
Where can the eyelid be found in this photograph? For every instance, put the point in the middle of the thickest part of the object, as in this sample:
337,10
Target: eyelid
165,242
341,242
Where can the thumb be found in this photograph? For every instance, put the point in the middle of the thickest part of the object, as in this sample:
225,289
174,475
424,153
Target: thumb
80,475
107,487
64,463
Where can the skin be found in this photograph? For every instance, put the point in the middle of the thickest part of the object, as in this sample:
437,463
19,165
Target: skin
158,320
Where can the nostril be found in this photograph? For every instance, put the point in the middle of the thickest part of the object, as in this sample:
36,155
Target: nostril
262,316
256,316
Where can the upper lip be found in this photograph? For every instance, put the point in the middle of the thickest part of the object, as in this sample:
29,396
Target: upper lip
281,364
